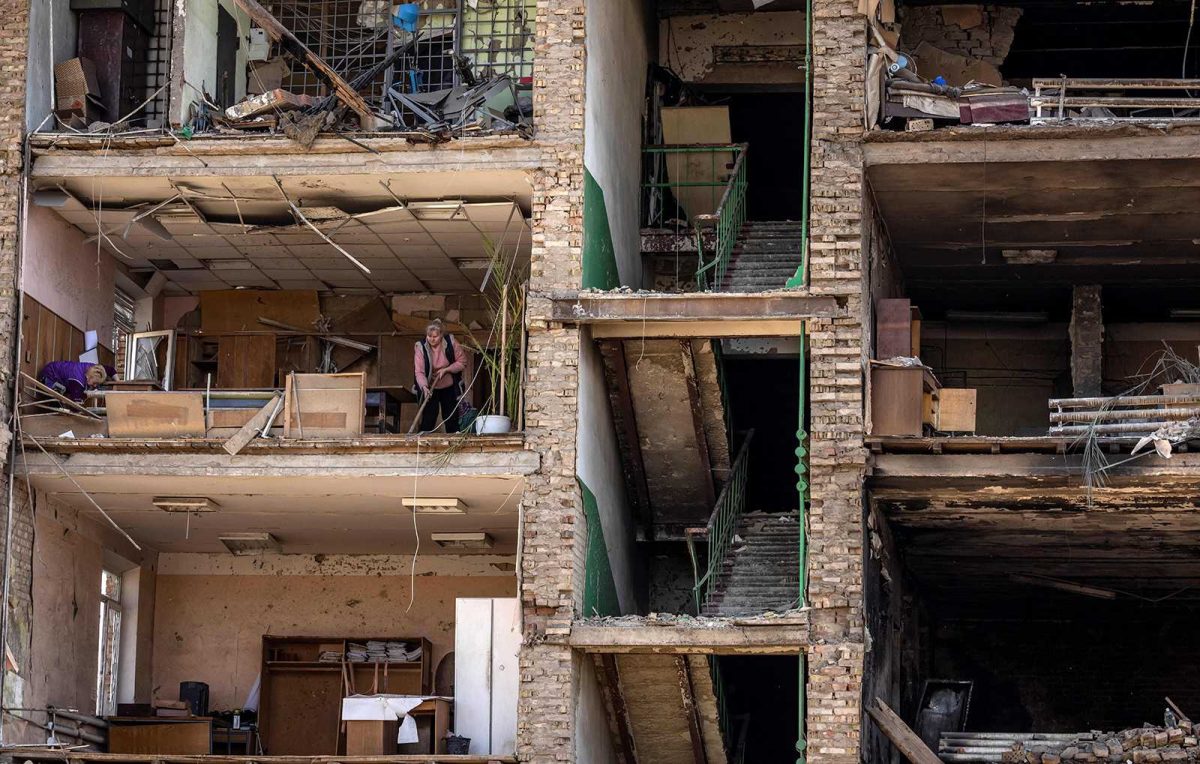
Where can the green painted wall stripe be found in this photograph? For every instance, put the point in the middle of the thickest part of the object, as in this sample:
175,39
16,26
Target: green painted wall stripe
599,588
599,255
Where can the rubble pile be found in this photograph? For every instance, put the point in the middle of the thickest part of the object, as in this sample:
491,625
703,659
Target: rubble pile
1138,745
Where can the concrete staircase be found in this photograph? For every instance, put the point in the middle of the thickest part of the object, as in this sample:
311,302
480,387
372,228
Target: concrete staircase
669,414
766,255
671,709
761,571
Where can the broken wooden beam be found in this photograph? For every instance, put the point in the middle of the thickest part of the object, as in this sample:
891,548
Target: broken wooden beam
901,735
250,429
345,93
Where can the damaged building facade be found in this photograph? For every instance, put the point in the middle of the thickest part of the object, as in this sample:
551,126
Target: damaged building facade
819,378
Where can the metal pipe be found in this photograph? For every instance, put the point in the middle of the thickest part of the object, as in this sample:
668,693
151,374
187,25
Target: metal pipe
94,721
801,277
216,395
1129,400
1133,429
802,520
1173,414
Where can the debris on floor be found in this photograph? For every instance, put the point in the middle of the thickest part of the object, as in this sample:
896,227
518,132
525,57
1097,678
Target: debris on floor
271,101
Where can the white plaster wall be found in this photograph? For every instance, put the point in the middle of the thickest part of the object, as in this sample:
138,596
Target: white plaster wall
211,611
46,50
593,743
599,466
618,53
685,43
69,552
200,51
66,275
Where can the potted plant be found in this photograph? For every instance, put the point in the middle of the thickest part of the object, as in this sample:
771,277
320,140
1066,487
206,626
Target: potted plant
503,352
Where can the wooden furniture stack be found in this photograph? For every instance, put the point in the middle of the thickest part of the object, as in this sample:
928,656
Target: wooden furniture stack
301,696
906,396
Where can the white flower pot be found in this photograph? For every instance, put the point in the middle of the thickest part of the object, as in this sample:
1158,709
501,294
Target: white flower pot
492,424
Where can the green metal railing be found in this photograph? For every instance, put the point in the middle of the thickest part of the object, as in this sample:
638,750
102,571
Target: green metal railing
722,525
802,519
701,176
728,220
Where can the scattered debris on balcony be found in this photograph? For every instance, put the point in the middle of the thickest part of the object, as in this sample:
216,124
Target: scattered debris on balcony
431,71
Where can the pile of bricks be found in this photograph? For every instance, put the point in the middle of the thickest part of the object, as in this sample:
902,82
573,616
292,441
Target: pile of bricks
989,40
1139,745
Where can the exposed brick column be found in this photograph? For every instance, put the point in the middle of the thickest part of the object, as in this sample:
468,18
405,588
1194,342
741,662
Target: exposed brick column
552,533
14,43
836,365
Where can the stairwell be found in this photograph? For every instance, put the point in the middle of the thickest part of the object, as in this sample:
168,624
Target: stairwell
671,709
765,256
761,571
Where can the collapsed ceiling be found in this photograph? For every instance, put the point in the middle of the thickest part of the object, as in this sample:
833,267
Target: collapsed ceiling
1017,225
201,240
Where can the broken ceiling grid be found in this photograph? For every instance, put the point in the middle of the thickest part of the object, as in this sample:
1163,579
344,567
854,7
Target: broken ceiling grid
415,246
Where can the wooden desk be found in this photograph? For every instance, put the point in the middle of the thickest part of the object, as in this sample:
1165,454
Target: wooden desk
378,738
160,735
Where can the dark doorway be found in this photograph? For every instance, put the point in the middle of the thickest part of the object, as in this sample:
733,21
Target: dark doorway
763,395
762,700
227,48
773,125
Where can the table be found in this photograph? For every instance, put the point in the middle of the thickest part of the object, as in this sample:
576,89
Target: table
377,737
176,736
228,737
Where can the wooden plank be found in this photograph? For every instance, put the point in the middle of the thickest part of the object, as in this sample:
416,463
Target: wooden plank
901,735
155,415
341,88
55,395
896,400
251,429
893,328
245,361
683,125
30,313
181,737
954,410
324,405
238,310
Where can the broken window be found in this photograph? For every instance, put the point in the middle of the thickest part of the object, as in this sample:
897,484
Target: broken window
110,643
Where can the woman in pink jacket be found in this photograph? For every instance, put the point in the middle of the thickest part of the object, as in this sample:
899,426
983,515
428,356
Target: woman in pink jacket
438,363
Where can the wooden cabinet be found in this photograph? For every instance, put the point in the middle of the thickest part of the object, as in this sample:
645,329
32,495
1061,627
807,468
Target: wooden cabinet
245,361
301,701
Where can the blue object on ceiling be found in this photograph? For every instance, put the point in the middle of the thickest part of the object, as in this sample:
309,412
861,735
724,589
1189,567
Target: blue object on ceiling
407,15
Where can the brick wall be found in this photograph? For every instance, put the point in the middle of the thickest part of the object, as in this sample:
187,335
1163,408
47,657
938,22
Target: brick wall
553,530
836,385
14,36
987,41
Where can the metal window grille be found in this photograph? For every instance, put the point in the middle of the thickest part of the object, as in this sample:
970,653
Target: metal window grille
496,37
156,69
